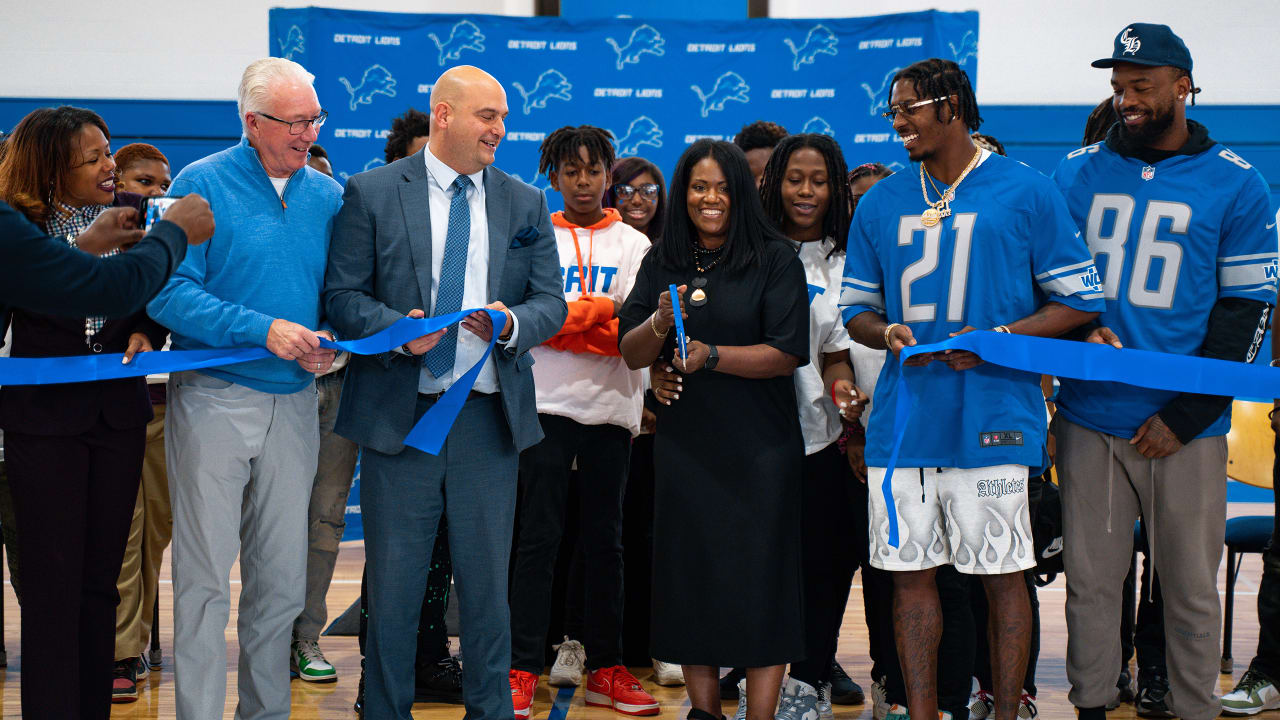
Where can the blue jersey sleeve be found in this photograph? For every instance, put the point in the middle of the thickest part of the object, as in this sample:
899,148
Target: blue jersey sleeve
1247,250
862,287
1061,261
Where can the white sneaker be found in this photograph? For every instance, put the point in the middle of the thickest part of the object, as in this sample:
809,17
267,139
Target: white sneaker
667,674
1027,709
742,700
306,659
879,699
981,704
825,711
571,662
797,701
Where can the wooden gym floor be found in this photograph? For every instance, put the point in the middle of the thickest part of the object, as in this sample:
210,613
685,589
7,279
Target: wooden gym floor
334,700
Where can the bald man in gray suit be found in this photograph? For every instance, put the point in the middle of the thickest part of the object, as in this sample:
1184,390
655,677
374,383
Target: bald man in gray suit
433,233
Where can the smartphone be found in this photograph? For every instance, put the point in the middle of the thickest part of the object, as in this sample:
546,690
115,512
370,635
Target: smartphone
153,208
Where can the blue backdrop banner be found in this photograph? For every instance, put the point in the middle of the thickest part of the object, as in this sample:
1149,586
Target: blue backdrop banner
658,85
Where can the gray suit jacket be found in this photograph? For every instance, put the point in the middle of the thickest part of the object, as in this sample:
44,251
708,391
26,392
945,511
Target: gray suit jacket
380,269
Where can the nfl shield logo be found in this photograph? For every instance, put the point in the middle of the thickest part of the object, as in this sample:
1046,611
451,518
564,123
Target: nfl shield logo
1148,172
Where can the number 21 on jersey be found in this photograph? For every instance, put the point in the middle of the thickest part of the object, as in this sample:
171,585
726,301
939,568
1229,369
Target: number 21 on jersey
1112,244
908,227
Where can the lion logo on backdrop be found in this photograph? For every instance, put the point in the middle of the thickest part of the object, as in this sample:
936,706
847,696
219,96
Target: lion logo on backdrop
968,47
642,131
292,44
729,86
880,96
465,35
367,166
377,80
818,126
551,85
539,180
819,41
644,39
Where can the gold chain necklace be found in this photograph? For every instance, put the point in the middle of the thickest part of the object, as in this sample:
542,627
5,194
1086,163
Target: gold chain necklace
942,208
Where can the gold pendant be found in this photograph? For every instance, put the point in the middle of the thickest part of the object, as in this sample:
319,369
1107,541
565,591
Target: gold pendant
930,217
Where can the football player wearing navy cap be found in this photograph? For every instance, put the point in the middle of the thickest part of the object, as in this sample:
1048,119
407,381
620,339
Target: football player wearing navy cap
1182,235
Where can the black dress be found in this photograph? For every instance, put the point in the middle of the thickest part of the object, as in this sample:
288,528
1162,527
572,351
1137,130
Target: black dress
727,458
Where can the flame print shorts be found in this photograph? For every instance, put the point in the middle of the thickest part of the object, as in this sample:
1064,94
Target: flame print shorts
974,518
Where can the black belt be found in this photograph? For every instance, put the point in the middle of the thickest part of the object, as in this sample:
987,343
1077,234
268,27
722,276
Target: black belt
437,395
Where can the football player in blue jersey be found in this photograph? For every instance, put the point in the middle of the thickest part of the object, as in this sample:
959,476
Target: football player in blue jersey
967,240
1179,227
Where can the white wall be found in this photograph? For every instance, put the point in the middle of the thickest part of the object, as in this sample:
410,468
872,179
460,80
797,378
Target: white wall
183,50
1037,52
1032,51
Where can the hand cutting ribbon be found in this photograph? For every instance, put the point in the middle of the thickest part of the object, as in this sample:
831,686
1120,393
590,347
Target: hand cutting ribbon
1082,361
427,435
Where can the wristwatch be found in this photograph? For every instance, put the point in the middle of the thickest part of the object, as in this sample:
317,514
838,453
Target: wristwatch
713,358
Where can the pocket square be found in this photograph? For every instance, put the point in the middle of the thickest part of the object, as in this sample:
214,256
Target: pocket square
526,237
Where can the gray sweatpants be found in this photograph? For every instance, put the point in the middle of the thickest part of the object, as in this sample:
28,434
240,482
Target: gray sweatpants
1106,485
241,464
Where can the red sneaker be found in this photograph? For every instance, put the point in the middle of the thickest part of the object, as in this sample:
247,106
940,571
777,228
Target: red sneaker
124,683
523,685
617,688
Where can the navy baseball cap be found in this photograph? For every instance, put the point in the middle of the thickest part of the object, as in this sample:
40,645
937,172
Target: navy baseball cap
1148,44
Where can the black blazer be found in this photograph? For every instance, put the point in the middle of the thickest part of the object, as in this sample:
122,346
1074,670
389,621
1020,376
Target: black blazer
73,408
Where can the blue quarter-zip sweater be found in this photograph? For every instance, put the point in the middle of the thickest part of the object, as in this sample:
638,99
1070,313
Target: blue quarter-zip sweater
266,260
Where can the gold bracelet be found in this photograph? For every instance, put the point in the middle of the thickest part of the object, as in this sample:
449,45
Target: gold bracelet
653,324
1002,329
888,329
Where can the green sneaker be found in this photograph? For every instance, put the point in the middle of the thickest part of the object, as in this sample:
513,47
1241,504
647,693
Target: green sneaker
1254,693
308,662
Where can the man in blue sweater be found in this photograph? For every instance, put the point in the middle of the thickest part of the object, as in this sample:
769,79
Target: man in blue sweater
242,440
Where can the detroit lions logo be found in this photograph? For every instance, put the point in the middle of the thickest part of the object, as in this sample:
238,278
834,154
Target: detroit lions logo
377,80
896,166
539,180
1131,42
367,166
644,39
729,86
880,97
465,35
292,44
643,131
967,48
819,41
818,126
551,85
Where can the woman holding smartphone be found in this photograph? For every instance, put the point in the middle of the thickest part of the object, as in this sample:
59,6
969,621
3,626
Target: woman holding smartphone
73,451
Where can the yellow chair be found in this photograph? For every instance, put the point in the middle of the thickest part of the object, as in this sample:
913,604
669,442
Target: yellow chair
1250,457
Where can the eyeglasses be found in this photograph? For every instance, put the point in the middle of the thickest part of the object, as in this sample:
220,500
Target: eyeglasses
893,110
648,191
297,127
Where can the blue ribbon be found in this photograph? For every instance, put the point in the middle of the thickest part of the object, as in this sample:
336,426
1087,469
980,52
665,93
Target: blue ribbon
427,435
1081,361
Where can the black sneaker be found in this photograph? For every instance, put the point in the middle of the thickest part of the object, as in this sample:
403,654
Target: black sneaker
359,706
124,682
1125,692
729,684
439,682
844,691
1153,691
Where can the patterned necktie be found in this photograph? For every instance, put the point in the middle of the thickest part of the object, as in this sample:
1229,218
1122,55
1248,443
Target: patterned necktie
453,277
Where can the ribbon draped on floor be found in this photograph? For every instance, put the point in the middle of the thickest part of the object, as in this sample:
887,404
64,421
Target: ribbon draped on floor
427,435
1082,361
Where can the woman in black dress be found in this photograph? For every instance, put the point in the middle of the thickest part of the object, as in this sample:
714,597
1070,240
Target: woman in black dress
728,451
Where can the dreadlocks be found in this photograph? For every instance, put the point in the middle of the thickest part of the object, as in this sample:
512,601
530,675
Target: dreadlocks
835,224
1100,121
562,146
1179,73
937,78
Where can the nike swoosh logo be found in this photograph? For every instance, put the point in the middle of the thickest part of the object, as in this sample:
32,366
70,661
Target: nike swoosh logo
1268,227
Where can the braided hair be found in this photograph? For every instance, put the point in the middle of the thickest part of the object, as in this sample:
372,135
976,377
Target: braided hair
835,223
938,78
871,169
1101,118
562,146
